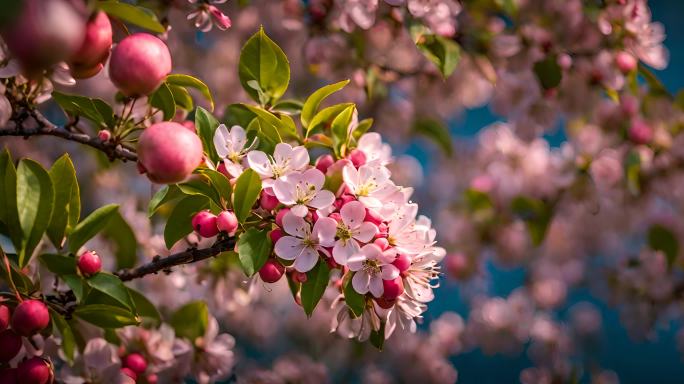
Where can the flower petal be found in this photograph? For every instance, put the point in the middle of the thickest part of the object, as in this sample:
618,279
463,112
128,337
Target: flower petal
325,230
221,137
295,225
389,272
284,191
343,250
376,287
288,247
260,163
307,260
353,214
323,199
365,232
360,282
299,210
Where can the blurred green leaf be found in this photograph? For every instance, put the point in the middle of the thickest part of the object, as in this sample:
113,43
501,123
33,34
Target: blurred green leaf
536,214
132,14
95,110
436,131
68,342
548,72
125,244
192,82
441,51
59,264
191,320
163,99
314,101
91,226
181,97
106,316
660,238
144,307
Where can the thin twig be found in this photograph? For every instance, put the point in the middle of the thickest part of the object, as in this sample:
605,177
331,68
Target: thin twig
191,255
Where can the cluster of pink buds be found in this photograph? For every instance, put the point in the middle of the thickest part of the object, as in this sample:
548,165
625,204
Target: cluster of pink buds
29,318
206,224
346,212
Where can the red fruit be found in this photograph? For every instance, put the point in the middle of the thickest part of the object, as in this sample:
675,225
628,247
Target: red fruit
227,222
30,317
44,33
139,64
4,317
204,223
136,362
129,372
89,263
402,262
280,215
276,234
190,126
272,271
10,345
268,201
168,152
8,376
357,157
392,288
324,162
89,59
35,371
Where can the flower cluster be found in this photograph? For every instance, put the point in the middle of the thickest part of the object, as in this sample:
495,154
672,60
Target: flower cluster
346,213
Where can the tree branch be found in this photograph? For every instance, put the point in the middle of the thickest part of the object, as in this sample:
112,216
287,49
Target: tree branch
46,128
188,256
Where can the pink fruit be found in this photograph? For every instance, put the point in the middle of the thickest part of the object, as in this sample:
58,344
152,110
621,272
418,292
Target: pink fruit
30,317
152,379
44,33
324,162
129,372
139,64
10,344
357,157
275,235
227,222
88,60
168,152
136,362
8,376
4,317
272,271
35,371
268,201
204,223
392,288
402,262
190,126
89,263
640,132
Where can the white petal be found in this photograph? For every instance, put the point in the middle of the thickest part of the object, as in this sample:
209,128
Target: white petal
376,287
371,251
350,176
389,272
282,152
365,232
360,282
295,225
306,261
323,199
315,177
288,247
355,262
260,163
300,158
325,230
284,191
221,136
299,210
343,250
238,137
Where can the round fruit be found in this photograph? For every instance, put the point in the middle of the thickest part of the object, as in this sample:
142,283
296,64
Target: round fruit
89,263
30,317
89,59
139,64
272,271
204,223
168,152
35,371
10,345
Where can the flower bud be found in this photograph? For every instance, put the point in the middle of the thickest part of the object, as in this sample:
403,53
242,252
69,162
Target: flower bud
392,288
4,317
276,234
272,271
89,263
625,62
268,201
402,262
129,372
640,132
385,303
135,362
35,371
205,224
222,168
139,64
152,379
104,135
94,50
168,152
280,215
30,317
373,217
324,162
227,222
357,157
299,277
382,242
10,345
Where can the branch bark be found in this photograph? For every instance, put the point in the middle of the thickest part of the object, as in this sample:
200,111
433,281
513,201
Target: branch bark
191,255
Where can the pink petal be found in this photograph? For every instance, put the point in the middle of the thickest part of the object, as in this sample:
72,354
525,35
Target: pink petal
299,209
353,214
283,191
323,199
295,225
360,282
343,250
365,232
260,163
288,247
325,230
389,272
315,177
306,260
376,286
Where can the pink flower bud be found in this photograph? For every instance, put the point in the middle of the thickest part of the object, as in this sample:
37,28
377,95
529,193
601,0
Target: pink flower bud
382,243
129,372
324,162
272,271
104,135
382,230
169,152
392,288
30,317
227,222
625,62
373,217
135,362
276,234
4,317
640,132
336,216
385,303
220,19
35,371
10,345
482,183
402,262
458,266
204,223
280,215
152,379
629,105
268,201
299,277
89,263
357,157
139,64
94,50
222,168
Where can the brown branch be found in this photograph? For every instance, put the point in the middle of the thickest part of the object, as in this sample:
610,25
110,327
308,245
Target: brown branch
191,255
45,127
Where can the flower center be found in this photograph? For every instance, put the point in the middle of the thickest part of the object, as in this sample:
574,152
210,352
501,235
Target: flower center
371,267
343,232
304,193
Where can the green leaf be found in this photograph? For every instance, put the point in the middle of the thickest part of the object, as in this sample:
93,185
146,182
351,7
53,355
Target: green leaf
144,307
111,286
179,223
58,264
377,338
436,131
191,320
326,116
200,187
633,172
548,72
132,14
221,185
164,195
66,333
273,127
67,208
363,127
313,288
181,97
340,128
441,51
660,238
8,205
163,99
254,247
125,244
35,198
262,61
312,102
75,282
23,282
206,125
288,107
536,214
192,82
91,226
238,114
356,302
95,110
106,316
246,193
